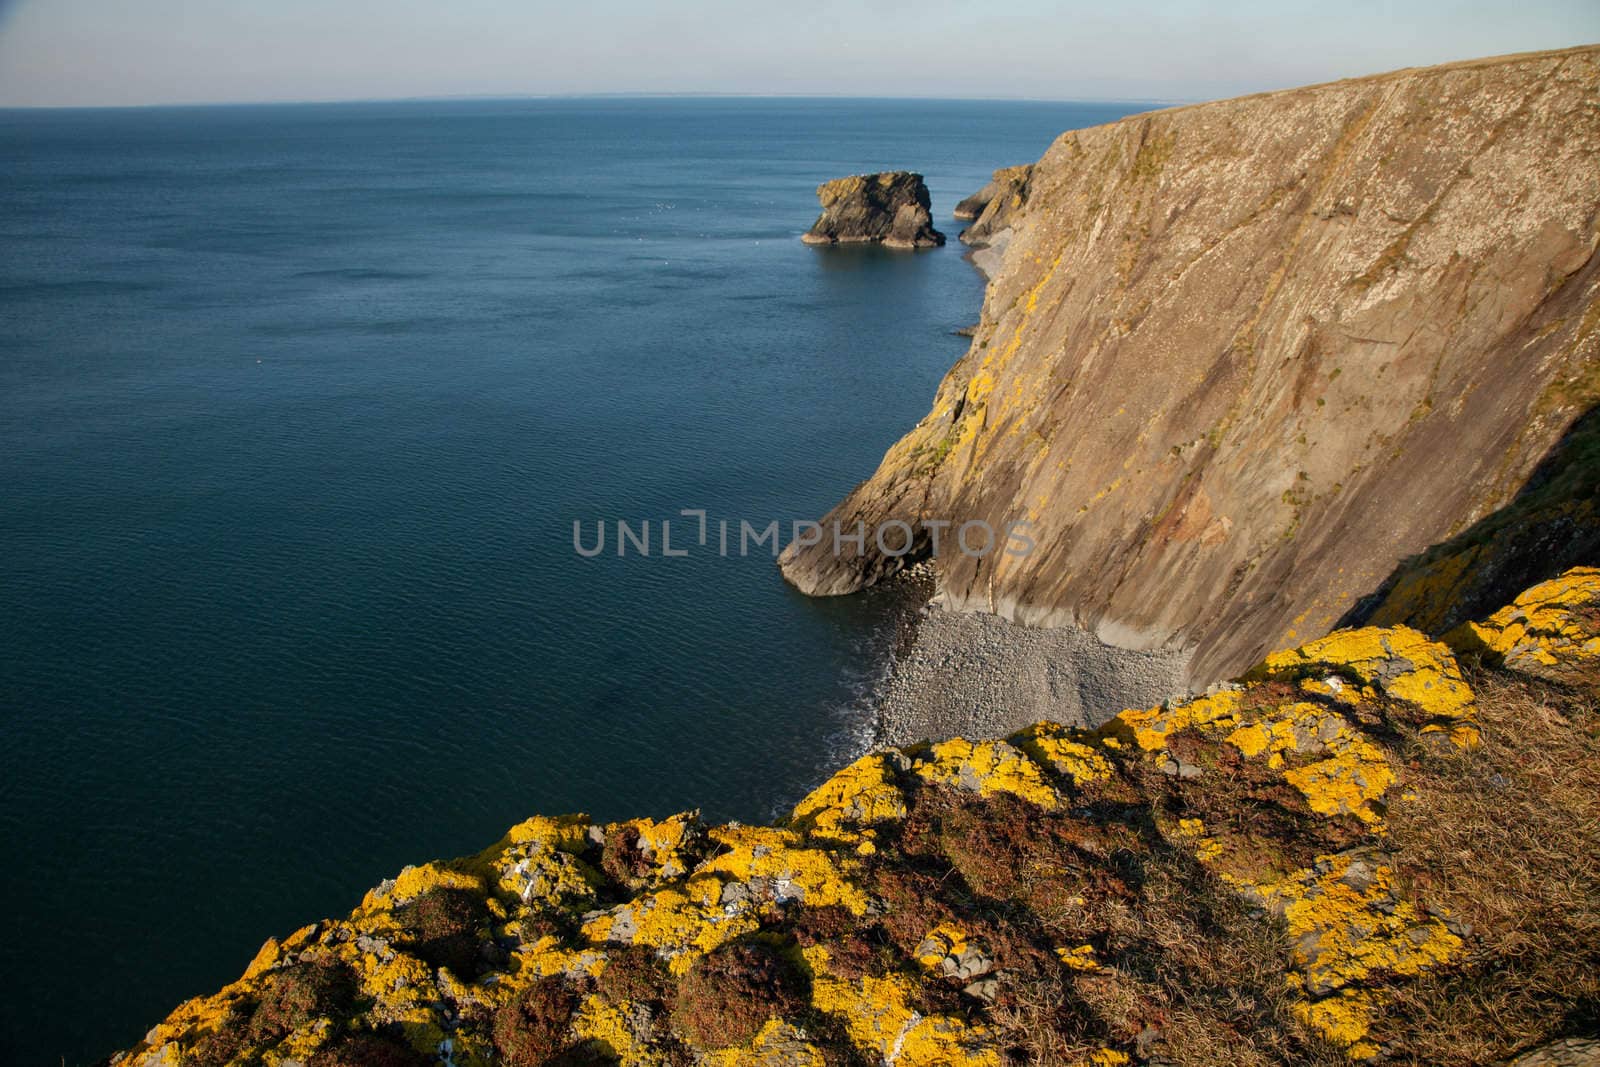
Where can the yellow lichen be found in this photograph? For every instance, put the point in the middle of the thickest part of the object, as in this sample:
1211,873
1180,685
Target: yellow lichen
985,768
1398,660
845,806
1351,777
669,920
607,1024
1065,752
1081,958
1345,1018
878,1015
1150,728
1346,783
1346,923
1193,832
812,875
946,939
1552,629
778,1044
661,843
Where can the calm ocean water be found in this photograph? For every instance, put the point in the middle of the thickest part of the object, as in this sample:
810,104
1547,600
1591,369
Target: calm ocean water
297,407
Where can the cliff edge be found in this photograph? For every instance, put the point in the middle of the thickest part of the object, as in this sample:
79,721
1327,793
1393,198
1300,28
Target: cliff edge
1304,867
1239,360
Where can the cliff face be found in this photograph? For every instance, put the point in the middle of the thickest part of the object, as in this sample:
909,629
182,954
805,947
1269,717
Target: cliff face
1305,334
1300,868
892,208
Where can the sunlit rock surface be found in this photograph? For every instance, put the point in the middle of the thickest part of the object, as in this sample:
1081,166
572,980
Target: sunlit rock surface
1240,360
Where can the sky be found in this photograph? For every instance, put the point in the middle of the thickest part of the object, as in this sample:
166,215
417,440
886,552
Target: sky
130,52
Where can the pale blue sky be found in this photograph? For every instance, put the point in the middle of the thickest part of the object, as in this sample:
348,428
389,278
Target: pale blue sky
180,51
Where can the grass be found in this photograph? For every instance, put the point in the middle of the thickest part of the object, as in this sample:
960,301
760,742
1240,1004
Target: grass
1508,838
1504,839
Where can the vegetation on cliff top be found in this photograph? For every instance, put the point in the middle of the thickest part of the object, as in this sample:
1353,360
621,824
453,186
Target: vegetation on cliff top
1375,845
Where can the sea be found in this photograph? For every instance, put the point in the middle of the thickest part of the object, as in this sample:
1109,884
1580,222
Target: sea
299,406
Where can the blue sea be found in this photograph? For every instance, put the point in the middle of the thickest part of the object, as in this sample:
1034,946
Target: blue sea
298,405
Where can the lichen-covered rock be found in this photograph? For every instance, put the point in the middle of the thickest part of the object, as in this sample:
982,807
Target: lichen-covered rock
892,208
1551,631
915,905
1240,359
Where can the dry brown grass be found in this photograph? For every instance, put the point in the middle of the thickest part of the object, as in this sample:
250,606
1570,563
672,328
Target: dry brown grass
1508,839
1189,966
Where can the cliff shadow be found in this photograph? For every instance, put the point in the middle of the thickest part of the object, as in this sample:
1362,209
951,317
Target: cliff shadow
1550,526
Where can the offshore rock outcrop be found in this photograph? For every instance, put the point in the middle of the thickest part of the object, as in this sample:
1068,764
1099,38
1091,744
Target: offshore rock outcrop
1238,878
972,206
1242,359
892,208
998,204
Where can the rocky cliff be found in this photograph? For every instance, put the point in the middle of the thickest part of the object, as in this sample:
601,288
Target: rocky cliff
996,205
1240,360
892,208
1373,845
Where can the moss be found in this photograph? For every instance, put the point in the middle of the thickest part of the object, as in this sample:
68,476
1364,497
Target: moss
371,1049
730,994
445,926
537,1025
633,973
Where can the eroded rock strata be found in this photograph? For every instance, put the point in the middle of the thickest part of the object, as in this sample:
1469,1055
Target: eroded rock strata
892,208
998,204
1241,359
1303,866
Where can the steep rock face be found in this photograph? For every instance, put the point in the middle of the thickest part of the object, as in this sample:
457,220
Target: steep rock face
1249,877
1306,333
1001,203
892,208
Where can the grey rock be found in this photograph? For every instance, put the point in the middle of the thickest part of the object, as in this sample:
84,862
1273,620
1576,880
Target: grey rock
985,989
1569,1052
890,208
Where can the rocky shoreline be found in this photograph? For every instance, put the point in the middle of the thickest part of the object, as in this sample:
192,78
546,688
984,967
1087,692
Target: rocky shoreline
978,676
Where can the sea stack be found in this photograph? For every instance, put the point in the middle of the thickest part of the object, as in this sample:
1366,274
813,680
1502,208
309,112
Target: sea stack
891,208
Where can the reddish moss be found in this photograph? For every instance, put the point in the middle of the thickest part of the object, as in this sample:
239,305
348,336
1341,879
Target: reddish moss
537,1026
297,995
728,995
369,1049
288,999
635,974
226,1040
443,925
622,859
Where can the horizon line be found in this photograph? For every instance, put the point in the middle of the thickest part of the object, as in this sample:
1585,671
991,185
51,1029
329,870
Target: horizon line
607,95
